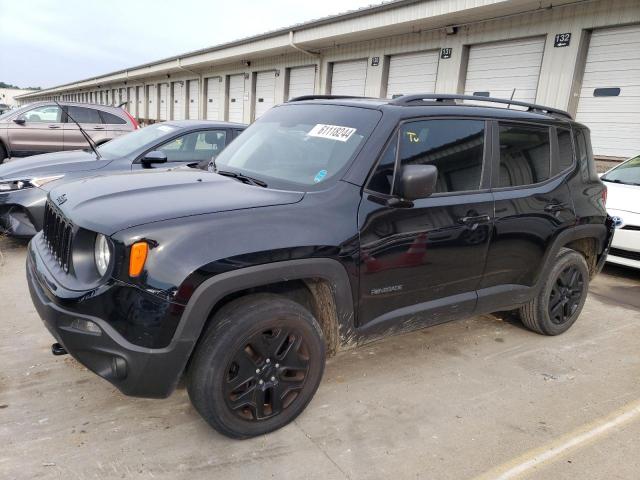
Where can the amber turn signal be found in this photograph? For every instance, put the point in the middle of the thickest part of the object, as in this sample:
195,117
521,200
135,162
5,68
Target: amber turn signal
137,258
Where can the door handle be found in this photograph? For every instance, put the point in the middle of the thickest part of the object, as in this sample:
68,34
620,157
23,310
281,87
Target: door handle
54,126
474,219
98,128
555,207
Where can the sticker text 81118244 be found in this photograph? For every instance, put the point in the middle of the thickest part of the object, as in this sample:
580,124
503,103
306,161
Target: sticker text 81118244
332,132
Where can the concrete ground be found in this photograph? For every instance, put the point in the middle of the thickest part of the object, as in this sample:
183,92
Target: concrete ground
476,398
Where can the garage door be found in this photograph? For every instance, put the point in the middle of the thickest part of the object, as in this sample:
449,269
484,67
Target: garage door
496,69
349,78
123,96
302,81
152,104
178,101
412,73
609,101
265,97
214,86
236,98
132,106
139,98
194,99
164,101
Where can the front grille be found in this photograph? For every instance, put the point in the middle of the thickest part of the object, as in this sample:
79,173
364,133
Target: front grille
58,235
618,252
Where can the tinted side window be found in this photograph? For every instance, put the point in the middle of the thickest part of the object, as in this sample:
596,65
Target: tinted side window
195,146
112,119
525,155
455,147
381,180
565,149
83,115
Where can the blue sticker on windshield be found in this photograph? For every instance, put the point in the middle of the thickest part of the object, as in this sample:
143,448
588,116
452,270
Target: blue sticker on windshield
320,176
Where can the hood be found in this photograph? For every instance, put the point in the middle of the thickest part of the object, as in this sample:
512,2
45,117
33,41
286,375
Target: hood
110,203
623,197
51,164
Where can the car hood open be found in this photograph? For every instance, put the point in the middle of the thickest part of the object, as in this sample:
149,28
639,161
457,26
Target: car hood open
110,203
51,164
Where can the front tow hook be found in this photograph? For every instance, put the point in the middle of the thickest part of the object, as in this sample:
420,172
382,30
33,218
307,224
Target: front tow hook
58,349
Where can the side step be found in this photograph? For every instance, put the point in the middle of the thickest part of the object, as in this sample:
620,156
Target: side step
58,349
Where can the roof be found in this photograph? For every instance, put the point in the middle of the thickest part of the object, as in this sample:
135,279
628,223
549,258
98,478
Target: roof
204,124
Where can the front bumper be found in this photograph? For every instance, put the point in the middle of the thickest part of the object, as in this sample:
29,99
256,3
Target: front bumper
22,212
134,370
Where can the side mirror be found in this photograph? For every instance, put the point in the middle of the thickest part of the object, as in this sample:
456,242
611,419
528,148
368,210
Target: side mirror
417,181
155,156
20,120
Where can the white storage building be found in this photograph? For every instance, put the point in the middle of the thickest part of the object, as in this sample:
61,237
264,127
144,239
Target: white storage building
578,55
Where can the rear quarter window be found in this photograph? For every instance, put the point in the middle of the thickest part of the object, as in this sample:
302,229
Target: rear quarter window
111,119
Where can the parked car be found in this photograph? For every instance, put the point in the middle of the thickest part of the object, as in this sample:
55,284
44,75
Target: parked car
313,234
4,108
623,204
24,183
44,127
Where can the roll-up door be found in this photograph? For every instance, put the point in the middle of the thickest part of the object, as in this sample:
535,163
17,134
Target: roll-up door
412,73
194,99
140,101
152,102
349,78
178,101
132,106
236,98
214,86
265,96
123,96
302,81
164,101
609,101
496,69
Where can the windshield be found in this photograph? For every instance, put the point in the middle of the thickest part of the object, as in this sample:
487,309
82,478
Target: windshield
299,146
131,142
628,173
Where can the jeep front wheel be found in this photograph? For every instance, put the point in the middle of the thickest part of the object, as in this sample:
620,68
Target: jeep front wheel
257,366
562,296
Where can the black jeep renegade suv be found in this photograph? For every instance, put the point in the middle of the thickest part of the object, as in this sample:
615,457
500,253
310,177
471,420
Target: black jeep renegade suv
328,223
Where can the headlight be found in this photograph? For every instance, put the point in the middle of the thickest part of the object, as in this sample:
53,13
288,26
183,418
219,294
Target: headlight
21,184
102,254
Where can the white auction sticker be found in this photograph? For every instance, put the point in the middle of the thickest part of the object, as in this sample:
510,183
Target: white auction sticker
333,132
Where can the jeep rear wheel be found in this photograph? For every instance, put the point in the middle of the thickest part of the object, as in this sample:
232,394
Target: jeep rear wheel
561,298
257,366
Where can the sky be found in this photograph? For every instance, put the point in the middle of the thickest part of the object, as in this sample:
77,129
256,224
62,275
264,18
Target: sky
44,43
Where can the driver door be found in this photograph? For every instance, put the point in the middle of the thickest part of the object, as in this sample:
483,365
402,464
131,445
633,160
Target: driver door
195,147
41,132
421,262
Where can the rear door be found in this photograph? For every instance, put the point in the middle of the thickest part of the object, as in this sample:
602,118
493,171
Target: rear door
422,261
532,206
91,122
41,132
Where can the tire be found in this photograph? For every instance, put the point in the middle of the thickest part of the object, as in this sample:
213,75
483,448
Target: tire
258,338
3,154
561,298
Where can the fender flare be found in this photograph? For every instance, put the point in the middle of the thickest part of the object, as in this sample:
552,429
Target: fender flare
211,291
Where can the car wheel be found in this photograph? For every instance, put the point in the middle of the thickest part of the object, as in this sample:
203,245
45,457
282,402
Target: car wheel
562,296
257,366
3,154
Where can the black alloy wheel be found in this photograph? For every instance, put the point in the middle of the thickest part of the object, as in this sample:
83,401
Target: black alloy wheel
566,295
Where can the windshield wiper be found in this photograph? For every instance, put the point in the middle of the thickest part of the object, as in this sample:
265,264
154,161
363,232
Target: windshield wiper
84,134
242,178
604,179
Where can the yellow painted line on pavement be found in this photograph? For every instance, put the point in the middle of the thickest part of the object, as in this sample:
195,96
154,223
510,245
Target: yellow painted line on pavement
586,434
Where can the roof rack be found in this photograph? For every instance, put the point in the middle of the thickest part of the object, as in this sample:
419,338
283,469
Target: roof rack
326,97
450,98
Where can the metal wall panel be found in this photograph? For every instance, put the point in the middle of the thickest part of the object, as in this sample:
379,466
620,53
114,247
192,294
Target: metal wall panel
194,99
613,62
412,73
265,93
302,81
236,98
349,78
214,92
